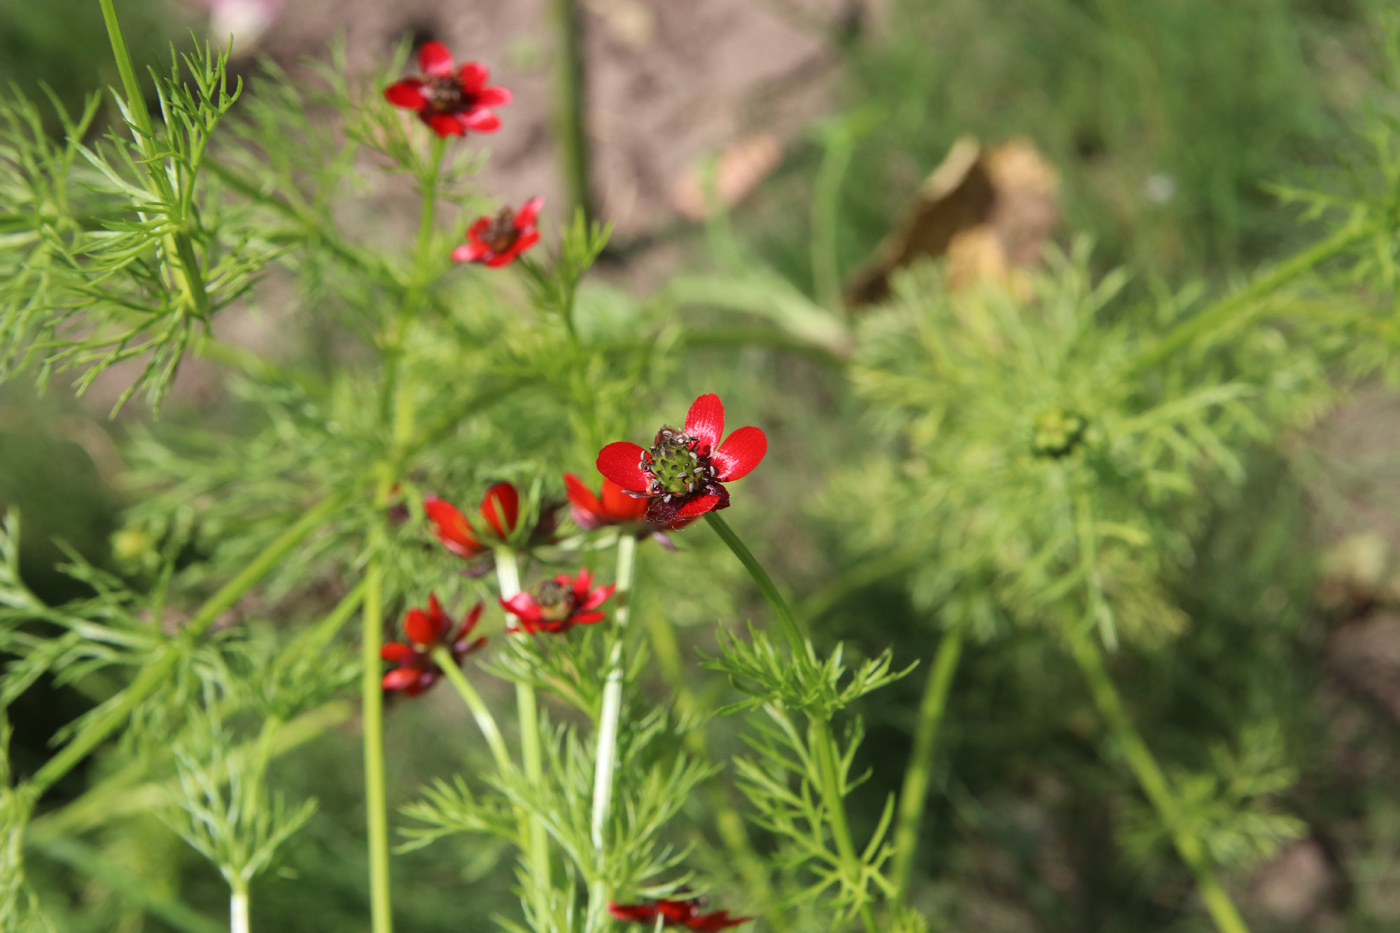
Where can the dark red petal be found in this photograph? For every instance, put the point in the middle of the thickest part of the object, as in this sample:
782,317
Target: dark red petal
619,462
698,506
445,125
739,454
460,649
494,96
479,121
674,909
496,260
720,920
420,627
523,607
638,913
501,508
435,60
473,76
586,618
706,421
406,93
397,652
452,527
597,597
581,497
401,678
524,241
619,506
528,213
470,620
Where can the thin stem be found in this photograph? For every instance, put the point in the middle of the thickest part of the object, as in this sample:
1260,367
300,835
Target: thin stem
823,743
1153,782
570,89
826,271
1219,313
914,794
533,834
238,911
157,673
372,694
800,646
479,710
611,713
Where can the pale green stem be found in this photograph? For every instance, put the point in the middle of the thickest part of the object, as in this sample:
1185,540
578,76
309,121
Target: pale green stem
372,694
157,673
570,89
914,793
823,743
479,710
612,694
826,200
1154,782
238,911
534,836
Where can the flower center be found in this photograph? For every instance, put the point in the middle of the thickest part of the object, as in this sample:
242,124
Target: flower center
501,234
556,600
445,95
677,464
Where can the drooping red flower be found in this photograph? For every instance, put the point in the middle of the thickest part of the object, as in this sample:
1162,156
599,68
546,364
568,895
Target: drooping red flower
676,914
558,605
500,513
425,630
681,475
613,506
497,241
449,99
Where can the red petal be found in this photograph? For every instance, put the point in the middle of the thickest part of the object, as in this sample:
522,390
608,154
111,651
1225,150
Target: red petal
698,506
619,462
445,125
401,678
468,252
479,121
598,597
523,607
739,454
452,529
706,421
406,93
586,618
527,239
529,211
580,496
639,913
435,60
501,508
619,506
421,628
469,622
474,77
396,652
494,96
496,260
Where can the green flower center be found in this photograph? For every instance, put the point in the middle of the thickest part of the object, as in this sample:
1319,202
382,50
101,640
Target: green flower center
675,465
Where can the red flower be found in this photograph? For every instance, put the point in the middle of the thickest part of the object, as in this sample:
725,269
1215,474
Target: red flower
558,605
500,513
676,914
613,506
417,671
680,475
451,100
496,241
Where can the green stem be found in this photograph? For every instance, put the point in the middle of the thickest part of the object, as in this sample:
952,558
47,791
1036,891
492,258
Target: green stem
533,834
826,272
609,716
823,743
135,98
570,88
1220,312
800,646
479,710
238,910
914,794
372,697
157,673
1153,782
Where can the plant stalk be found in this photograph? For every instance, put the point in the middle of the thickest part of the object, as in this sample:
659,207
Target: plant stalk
478,708
608,718
238,911
914,793
1153,782
372,694
571,93
800,646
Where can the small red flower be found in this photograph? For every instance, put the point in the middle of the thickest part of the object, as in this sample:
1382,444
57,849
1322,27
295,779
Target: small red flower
676,914
613,506
558,605
500,513
497,241
681,474
425,630
449,99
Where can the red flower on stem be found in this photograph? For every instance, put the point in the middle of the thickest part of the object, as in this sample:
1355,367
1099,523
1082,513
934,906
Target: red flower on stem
449,99
497,241
426,630
613,506
558,605
500,513
676,914
681,475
